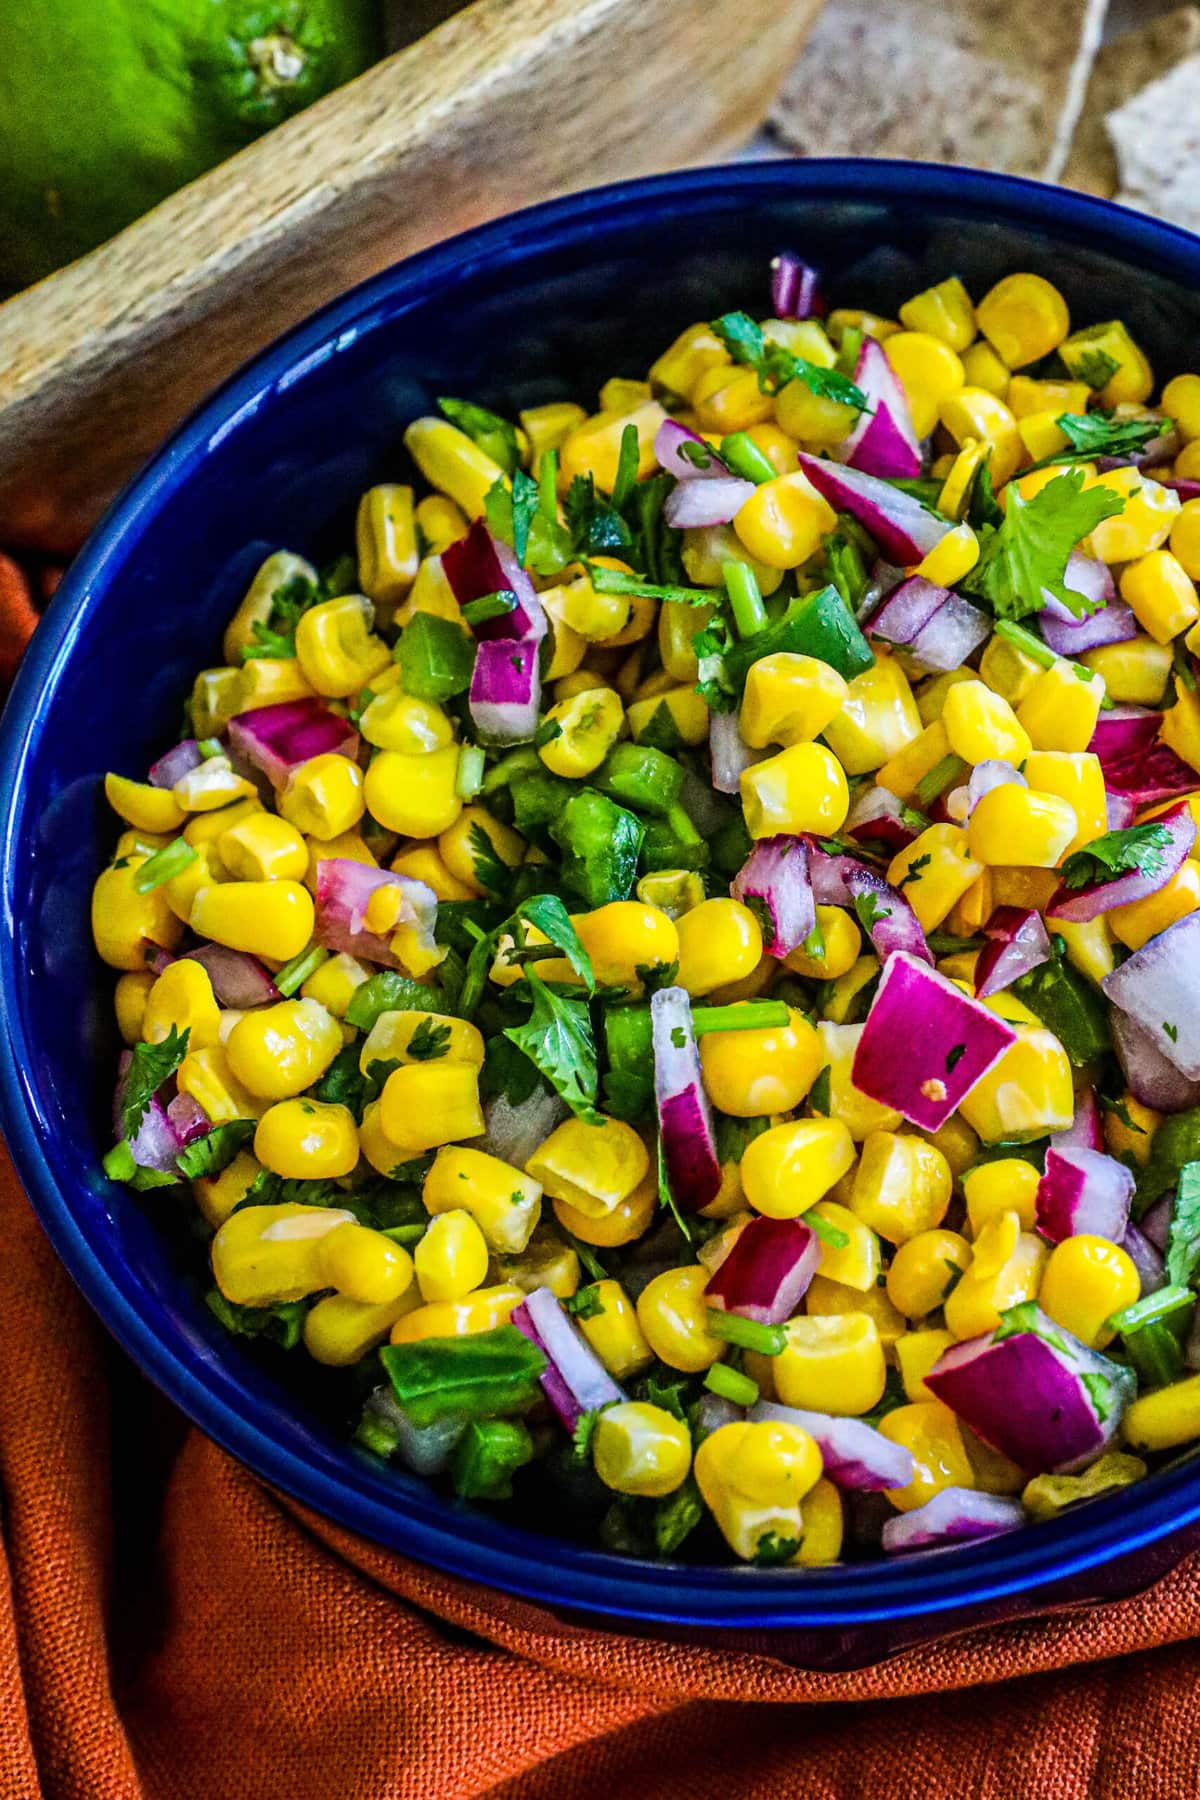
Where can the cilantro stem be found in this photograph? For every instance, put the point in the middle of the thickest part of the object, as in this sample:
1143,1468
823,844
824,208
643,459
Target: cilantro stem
548,486
741,454
628,459
942,775
747,1334
470,772
742,1015
731,1384
1028,641
295,973
587,1256
210,747
489,606
616,581
164,865
741,584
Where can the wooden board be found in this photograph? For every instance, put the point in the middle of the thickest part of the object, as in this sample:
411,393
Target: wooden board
507,103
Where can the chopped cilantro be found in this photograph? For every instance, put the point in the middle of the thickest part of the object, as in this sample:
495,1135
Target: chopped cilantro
1172,1031
208,1155
1095,367
1183,1238
775,367
869,912
818,1093
149,1066
1139,847
281,1324
428,1042
493,434
1026,556
557,1037
1102,434
491,871
585,1303
581,1437
276,639
771,1551
914,869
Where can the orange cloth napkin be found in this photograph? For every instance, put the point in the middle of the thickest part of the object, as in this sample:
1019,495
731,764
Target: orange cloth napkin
170,1629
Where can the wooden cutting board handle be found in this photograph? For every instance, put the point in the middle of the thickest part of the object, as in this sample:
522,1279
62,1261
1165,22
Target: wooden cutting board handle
507,103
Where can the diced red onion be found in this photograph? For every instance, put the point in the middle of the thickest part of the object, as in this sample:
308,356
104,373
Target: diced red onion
729,753
1156,1224
576,1381
1083,1191
515,1131
1085,1132
949,1043
795,288
909,607
275,739
188,1119
776,874
854,1454
1124,731
177,762
830,874
1026,1396
1146,1259
1138,769
877,817
1149,1077
156,1143
986,775
1085,575
1120,811
885,577
1113,624
900,525
893,925
1078,905
1017,942
955,1516
1159,985
669,442
685,1124
238,979
506,690
344,888
694,503
1187,490
955,632
882,441
479,564
766,1272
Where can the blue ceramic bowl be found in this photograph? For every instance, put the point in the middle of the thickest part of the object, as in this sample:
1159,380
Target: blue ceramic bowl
538,306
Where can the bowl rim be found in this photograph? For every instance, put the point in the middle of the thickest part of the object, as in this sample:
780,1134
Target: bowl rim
469,1544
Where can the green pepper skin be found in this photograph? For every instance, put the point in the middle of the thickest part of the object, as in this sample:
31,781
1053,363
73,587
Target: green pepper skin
1068,1005
819,625
482,1376
600,842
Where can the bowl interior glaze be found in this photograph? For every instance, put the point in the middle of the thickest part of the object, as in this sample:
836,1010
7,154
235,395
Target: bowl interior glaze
541,305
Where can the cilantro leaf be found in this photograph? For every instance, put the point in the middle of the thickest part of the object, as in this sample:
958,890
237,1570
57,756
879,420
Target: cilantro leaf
552,919
585,1303
491,871
557,1038
819,1093
526,507
869,911
1140,847
775,367
595,525
771,1551
914,869
428,1042
1183,1239
281,1324
677,1516
670,1396
493,434
149,1066
1095,367
1029,552
547,547
1101,434
276,639
982,507
209,1154
343,1082
581,1437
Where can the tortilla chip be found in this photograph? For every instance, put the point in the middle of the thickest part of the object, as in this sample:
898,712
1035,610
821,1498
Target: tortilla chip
1121,70
1157,140
997,83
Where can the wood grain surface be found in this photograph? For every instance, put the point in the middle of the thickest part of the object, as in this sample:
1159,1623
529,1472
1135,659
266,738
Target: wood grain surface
509,102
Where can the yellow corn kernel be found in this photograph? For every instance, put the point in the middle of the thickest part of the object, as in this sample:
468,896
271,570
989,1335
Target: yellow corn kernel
482,1310
928,370
1187,464
269,680
980,724
779,448
1161,594
831,1363
408,1037
982,368
129,1001
206,1075
211,786
718,942
181,889
1148,519
626,1221
810,418
414,795
1180,729
783,521
788,1167
125,922
546,427
728,398
421,862
930,1431
707,548
279,569
1027,397
916,1353
1132,381
1078,778
451,1260
1086,1280
854,1264
684,361
1007,670
268,1255
339,1331
751,987
336,647
592,1167
1041,434
1181,402
619,394
215,698
669,721
307,1140
877,719
751,1074
641,1449
936,886
144,807
1048,1495
901,773
843,992
677,626
901,1186
504,1203
952,558
364,1265
973,413
476,836
1024,1095
1089,947
1007,1185
611,1328
576,604
626,936
265,918
747,1525
1014,825
923,1269
334,983
427,1104
856,1111
1006,1269
1060,711
673,1318
1132,1140
789,699
430,593
182,1000
1134,673
1185,538
1166,1418
1024,317
394,720
821,1526
944,311
453,463
323,797
853,318
588,727
263,847
1135,924
803,788
594,447
770,1461
440,522
383,1155
203,830
278,1051
217,1195
1024,888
